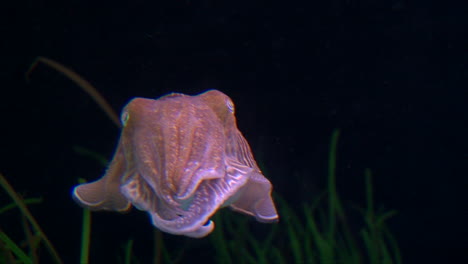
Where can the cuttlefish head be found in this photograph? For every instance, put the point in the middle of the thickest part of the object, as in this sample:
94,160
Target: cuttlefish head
181,158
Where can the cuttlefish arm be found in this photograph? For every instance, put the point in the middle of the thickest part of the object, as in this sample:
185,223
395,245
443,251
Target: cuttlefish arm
104,194
181,158
254,198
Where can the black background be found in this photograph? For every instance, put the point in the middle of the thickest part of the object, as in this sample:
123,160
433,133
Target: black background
391,75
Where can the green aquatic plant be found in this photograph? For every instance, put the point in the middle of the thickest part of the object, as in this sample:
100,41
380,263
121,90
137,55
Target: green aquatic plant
9,244
12,252
318,234
85,233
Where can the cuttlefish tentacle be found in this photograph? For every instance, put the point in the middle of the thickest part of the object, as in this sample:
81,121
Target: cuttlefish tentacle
205,201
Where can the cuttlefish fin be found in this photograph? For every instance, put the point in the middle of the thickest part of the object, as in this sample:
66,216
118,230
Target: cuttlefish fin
104,194
255,199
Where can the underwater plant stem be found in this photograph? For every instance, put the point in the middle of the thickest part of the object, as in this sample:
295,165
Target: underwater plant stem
332,194
24,209
82,83
26,201
369,193
6,252
219,242
14,248
128,252
158,243
85,233
30,240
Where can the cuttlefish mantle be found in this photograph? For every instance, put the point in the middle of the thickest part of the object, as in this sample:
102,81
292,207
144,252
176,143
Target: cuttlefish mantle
181,158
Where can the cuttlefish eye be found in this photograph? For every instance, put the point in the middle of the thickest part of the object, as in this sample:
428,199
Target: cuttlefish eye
230,105
124,117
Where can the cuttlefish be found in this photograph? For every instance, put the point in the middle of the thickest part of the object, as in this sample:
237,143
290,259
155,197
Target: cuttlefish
181,158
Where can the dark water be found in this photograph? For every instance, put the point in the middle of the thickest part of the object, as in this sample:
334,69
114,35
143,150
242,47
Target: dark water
391,75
